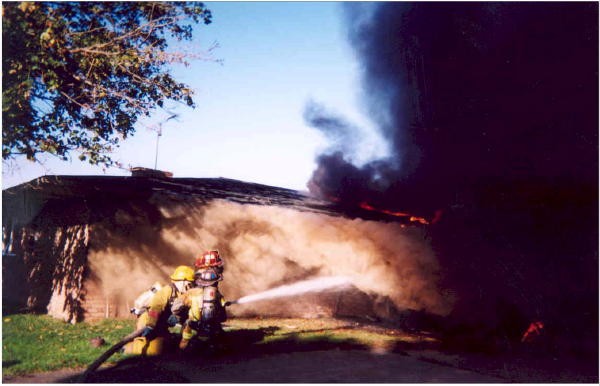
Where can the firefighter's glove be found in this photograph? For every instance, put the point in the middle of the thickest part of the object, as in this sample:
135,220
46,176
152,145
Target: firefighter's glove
148,332
172,321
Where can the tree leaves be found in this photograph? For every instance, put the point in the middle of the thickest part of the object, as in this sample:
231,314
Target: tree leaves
78,75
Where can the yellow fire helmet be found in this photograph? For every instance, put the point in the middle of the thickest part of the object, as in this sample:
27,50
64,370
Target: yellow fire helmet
183,272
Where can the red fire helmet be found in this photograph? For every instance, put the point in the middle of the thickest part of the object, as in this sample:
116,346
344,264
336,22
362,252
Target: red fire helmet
209,259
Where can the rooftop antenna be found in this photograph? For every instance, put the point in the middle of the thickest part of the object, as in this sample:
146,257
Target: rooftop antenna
159,134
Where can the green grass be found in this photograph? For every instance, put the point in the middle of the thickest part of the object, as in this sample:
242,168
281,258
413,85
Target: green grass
38,343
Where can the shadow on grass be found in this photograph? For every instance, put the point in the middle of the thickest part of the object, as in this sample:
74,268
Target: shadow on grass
264,355
7,364
235,347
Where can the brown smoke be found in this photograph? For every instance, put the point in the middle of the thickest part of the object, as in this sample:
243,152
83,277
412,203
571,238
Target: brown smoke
267,246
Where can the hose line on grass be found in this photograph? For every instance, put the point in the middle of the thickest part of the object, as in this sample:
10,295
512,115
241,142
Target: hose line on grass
102,358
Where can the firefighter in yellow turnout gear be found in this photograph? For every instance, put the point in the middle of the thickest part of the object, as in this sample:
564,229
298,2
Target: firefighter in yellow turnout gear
205,303
154,319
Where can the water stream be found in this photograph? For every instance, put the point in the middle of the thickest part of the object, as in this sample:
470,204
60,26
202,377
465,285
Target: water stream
313,285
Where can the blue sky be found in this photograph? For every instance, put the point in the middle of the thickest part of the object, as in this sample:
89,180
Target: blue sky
248,121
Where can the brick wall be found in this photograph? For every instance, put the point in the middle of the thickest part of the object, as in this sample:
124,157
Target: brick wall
99,306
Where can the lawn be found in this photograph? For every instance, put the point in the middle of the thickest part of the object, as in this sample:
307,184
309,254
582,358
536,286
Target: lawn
37,343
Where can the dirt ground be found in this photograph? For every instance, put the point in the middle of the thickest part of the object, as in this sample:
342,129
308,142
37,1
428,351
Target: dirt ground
243,360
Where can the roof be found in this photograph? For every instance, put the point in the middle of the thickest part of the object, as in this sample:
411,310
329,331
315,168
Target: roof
22,202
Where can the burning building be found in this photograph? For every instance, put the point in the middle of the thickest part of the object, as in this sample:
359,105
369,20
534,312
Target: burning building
85,247
491,115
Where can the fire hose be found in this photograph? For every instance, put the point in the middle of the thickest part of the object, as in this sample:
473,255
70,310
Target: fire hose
108,353
102,358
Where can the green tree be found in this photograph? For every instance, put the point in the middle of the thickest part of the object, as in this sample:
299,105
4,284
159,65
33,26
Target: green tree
78,75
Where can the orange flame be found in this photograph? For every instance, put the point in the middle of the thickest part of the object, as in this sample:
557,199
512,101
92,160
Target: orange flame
534,330
411,218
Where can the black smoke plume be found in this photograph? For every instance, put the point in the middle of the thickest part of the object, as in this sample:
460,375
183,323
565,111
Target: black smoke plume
491,113
465,91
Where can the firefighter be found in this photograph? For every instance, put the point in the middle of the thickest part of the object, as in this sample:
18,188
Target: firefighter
179,309
154,320
205,303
